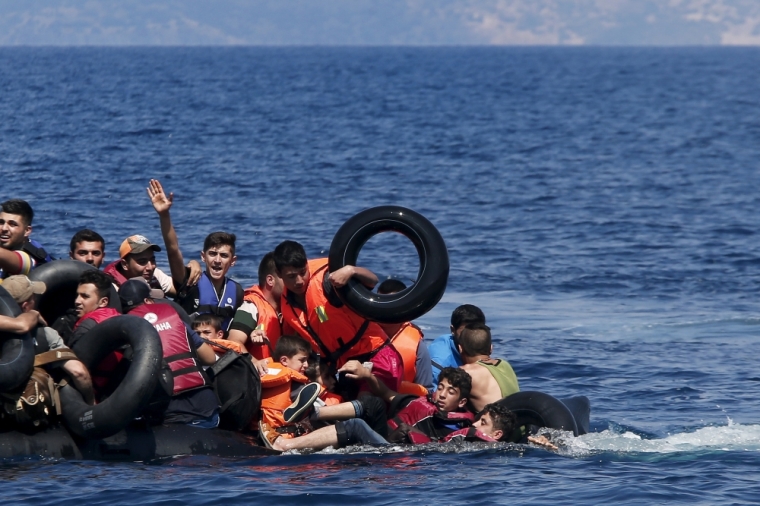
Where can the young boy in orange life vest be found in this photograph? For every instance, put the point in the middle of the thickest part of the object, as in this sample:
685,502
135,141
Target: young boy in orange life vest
284,374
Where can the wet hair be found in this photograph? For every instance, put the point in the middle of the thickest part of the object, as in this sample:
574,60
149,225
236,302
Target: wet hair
20,208
318,366
390,286
502,418
457,378
289,254
216,239
266,267
466,314
86,235
475,339
208,319
290,346
101,281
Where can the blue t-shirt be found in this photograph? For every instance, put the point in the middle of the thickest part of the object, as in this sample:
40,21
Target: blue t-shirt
443,353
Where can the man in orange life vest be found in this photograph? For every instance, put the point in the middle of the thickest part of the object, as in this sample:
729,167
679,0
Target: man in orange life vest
258,323
310,307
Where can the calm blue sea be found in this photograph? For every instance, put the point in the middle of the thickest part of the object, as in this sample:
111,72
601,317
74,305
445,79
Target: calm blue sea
600,205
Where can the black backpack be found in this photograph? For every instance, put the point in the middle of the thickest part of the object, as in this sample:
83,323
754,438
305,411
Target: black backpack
238,386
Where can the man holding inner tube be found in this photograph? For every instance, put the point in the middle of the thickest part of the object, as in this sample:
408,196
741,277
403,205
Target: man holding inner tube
311,307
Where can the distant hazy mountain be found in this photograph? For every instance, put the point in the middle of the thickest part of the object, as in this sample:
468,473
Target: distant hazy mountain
379,22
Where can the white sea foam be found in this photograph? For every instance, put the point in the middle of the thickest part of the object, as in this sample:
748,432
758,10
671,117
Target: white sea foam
731,437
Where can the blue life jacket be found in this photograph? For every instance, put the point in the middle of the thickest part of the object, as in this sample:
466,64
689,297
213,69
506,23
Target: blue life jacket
443,353
202,298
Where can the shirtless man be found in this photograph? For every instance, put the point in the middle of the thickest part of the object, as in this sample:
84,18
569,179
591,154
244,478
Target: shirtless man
492,378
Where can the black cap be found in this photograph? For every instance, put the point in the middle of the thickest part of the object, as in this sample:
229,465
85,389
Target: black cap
133,293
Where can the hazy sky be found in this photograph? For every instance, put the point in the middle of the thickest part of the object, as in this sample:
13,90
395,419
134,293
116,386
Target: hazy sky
379,22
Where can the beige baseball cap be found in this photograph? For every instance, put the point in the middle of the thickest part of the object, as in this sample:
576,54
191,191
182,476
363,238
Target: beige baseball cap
22,288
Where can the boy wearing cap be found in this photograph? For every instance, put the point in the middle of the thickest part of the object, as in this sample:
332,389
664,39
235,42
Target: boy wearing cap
23,291
137,259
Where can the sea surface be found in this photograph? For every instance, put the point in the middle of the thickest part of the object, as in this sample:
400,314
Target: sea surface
602,206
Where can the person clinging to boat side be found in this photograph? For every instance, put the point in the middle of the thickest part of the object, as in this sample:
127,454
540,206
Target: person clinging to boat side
492,378
311,307
19,254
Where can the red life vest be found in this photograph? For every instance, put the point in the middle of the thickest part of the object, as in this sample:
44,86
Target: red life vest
336,333
469,434
269,320
178,352
99,315
104,370
425,416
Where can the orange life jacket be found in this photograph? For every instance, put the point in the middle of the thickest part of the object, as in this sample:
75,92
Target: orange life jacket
269,320
275,392
335,332
406,341
221,346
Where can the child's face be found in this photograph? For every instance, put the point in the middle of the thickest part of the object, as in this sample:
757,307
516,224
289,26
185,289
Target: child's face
206,331
447,397
298,362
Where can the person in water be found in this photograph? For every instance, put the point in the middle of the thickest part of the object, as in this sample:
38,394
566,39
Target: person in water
193,401
89,247
214,293
443,350
407,338
310,307
18,253
426,418
257,324
492,378
25,291
495,423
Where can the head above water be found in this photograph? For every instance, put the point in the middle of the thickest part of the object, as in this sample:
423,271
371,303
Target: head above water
138,257
292,351
269,280
208,326
496,421
23,290
463,316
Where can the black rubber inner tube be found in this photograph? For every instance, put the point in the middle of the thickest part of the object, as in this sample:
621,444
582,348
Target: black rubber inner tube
540,409
133,393
17,359
415,300
61,277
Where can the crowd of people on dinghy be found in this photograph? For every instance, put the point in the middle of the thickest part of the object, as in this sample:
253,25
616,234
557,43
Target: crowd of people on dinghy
329,376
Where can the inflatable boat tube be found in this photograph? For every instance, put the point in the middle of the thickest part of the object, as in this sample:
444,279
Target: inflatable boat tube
17,359
433,275
133,444
540,409
61,277
580,407
132,394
